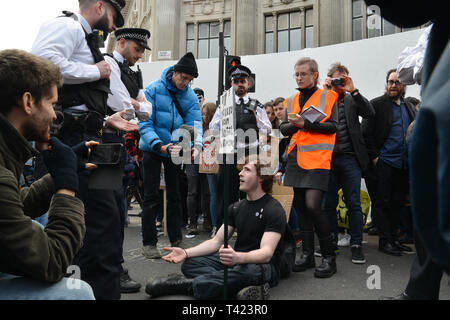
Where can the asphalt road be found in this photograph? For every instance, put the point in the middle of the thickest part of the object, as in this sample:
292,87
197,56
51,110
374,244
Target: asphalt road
349,283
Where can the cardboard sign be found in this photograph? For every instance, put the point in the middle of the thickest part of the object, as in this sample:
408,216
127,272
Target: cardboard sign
285,196
208,161
227,127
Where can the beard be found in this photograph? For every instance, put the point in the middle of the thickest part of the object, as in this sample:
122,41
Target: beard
241,91
103,24
36,130
395,94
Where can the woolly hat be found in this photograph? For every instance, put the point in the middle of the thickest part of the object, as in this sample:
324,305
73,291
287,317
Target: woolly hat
187,65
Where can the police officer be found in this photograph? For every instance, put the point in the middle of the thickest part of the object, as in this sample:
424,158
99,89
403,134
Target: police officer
126,94
72,42
250,115
126,84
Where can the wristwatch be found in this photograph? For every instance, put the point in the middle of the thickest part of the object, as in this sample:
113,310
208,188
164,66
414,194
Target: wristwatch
354,92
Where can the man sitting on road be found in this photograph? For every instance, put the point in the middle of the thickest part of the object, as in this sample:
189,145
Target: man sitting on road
260,222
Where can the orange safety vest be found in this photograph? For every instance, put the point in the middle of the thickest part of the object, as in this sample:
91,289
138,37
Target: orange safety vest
314,149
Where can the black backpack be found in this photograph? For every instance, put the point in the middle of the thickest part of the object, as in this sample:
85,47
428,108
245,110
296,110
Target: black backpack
287,252
287,248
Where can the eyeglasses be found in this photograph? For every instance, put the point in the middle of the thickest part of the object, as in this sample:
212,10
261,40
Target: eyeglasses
301,75
186,79
392,82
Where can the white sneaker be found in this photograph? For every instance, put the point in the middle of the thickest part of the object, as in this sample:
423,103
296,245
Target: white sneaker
344,240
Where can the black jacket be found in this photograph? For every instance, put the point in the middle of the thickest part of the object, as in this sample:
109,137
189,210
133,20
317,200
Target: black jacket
376,130
356,107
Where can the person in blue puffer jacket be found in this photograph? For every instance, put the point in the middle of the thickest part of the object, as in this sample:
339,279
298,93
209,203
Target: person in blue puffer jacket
174,104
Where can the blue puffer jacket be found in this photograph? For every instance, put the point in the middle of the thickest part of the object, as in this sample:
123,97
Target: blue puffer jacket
165,118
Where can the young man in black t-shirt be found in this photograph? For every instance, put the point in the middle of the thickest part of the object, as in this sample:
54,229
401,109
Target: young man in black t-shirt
253,265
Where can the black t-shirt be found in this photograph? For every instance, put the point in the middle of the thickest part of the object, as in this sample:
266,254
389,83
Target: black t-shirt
253,218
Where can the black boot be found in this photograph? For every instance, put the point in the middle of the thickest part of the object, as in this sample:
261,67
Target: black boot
128,285
306,261
328,266
172,285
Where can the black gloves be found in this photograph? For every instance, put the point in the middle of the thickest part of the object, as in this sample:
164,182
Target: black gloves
61,163
81,151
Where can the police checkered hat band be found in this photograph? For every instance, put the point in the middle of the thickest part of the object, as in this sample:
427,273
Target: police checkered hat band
133,36
139,35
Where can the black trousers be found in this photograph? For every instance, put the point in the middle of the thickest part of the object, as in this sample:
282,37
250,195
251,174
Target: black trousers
425,277
198,189
392,190
370,176
152,178
101,255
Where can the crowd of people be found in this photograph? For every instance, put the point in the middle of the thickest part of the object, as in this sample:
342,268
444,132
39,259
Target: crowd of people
322,147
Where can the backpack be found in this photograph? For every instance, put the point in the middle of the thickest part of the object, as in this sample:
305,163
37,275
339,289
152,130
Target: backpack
287,252
287,247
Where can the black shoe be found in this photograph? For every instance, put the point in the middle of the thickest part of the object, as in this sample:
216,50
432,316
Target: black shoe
389,248
306,260
358,256
172,285
328,266
402,248
401,296
127,285
372,231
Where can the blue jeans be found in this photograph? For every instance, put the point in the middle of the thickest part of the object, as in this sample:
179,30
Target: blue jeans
346,174
212,181
43,220
19,288
207,272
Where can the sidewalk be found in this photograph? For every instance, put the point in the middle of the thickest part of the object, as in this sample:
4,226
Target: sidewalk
349,283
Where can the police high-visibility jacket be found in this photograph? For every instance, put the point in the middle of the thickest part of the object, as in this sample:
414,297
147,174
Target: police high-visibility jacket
314,149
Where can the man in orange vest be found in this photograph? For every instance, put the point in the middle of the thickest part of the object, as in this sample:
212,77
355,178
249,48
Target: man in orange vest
311,123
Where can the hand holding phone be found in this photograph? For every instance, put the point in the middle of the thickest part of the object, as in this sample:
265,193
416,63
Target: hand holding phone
292,116
106,154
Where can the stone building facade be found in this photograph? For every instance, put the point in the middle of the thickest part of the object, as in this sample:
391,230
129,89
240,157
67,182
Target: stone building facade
250,26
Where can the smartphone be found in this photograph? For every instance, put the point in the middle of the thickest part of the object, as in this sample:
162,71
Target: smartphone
106,154
292,115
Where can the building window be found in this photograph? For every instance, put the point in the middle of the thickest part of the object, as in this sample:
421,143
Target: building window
227,35
269,34
190,38
357,19
289,32
309,28
208,38
386,28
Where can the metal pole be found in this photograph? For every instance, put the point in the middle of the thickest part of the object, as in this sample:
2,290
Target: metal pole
227,180
221,61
